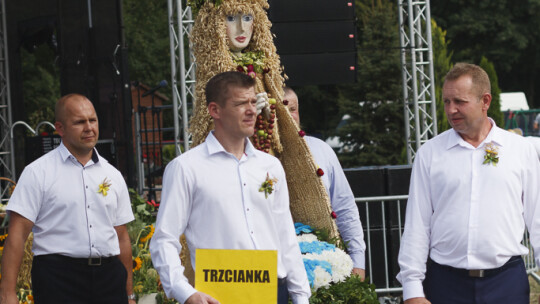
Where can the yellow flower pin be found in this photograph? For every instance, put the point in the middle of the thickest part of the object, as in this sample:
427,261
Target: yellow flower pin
104,187
268,185
492,153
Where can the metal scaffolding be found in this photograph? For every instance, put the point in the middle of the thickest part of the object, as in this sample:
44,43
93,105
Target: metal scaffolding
7,161
418,76
182,70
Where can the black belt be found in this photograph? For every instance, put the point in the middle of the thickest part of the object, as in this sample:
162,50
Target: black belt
481,273
282,281
98,261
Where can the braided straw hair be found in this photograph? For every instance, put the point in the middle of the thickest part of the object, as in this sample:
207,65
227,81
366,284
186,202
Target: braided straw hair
308,198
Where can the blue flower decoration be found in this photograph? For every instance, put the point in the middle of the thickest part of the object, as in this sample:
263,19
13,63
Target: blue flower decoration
316,247
310,266
301,228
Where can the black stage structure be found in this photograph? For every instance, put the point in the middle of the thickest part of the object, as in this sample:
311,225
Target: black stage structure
88,41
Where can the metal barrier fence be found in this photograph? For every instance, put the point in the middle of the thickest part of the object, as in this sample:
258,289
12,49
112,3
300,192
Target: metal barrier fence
383,220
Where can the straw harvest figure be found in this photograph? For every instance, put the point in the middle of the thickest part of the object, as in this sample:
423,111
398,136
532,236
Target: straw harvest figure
233,35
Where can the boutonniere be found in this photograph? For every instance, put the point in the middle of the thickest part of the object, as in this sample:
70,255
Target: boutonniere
268,185
104,187
492,154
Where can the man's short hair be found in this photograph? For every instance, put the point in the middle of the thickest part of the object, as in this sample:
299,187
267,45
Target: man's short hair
479,77
217,88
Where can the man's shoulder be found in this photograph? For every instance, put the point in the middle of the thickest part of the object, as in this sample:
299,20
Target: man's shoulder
48,159
313,141
438,141
515,141
192,156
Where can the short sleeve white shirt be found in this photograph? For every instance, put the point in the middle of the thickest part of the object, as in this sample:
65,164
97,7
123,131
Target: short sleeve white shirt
60,196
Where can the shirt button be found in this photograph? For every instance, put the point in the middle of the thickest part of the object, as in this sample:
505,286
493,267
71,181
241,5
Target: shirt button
88,206
90,226
244,184
251,232
86,187
92,245
247,209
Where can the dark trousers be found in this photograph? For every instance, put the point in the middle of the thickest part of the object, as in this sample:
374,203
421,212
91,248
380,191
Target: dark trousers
59,279
447,285
283,292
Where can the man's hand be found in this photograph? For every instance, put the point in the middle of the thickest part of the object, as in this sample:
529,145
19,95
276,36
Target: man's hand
262,103
201,298
417,301
359,272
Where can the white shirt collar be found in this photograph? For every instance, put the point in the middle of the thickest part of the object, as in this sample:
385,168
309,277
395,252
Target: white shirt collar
214,146
65,154
494,135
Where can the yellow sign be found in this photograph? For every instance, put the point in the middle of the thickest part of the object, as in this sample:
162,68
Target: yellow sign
237,276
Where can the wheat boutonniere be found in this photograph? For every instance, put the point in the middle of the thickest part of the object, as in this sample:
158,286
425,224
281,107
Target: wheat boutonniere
268,185
492,154
104,186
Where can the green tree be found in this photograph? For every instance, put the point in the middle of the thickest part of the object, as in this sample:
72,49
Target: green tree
442,62
374,131
506,32
495,108
41,84
147,37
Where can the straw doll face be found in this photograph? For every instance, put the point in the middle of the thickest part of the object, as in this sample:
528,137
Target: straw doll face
239,31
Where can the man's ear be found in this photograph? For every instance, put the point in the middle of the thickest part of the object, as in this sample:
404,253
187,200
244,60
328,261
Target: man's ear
486,101
214,110
59,128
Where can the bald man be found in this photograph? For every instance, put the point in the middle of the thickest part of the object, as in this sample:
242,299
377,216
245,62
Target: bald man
338,189
77,205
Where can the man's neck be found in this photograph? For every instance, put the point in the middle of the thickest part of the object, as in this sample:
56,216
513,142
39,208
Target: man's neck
82,158
477,138
235,146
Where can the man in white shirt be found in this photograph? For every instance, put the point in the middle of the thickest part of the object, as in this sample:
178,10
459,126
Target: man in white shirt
212,195
77,205
473,190
337,187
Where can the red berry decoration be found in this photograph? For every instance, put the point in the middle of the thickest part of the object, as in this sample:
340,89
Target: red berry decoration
266,70
285,102
240,69
250,68
320,172
334,214
301,133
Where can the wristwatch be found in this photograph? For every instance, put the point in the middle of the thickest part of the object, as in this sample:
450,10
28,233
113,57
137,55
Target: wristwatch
131,296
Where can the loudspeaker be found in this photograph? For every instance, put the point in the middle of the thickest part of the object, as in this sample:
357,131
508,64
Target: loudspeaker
315,37
319,69
316,40
398,179
310,10
367,182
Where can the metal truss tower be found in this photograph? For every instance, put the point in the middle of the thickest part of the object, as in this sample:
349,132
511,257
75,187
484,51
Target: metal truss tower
182,70
7,163
416,61
417,71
